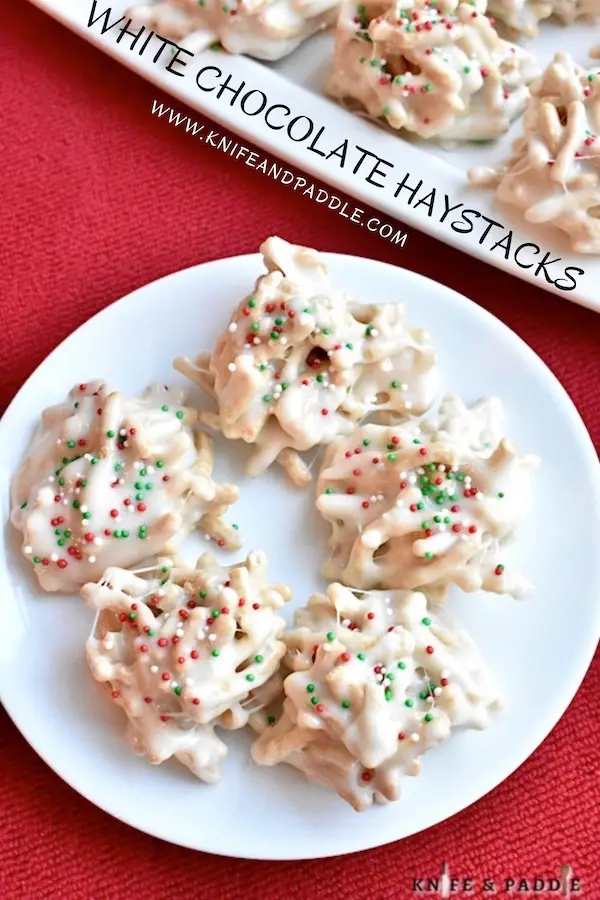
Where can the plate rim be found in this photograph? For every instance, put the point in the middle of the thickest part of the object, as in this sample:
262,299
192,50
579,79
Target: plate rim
579,672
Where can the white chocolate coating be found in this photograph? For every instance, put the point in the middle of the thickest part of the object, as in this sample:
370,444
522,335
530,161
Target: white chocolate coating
301,363
111,480
415,506
524,16
264,29
376,681
440,71
554,173
184,651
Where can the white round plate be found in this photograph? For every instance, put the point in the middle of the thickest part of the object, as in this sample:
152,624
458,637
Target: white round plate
539,649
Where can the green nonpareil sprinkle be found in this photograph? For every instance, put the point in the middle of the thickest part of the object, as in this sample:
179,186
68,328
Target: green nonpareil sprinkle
428,717
215,652
330,636
271,720
346,704
386,111
258,658
392,457
159,464
236,527
426,621
409,703
401,665
366,442
250,677
133,616
165,408
251,302
23,505
87,515
255,327
310,688
361,656
177,690
388,694
329,490
110,434
202,595
274,336
267,398
179,414
70,444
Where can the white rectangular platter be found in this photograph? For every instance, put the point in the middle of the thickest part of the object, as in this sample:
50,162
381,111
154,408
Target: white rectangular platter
438,174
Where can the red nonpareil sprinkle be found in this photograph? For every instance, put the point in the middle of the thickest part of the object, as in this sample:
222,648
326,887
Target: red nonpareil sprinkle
428,532
371,615
165,676
305,381
319,707
365,504
256,606
269,307
181,660
385,79
89,537
220,542
99,412
107,532
184,614
164,718
498,570
194,654
277,376
413,507
127,502
375,460
195,701
395,439
356,472
83,387
122,617
81,442
472,529
357,450
444,682
225,610
484,72
114,513
449,26
456,528
147,699
366,776
115,695
141,507
241,601
143,648
423,451
429,649
282,306
403,484
455,508
349,490
401,735
291,313
348,454
428,26
246,310
162,642
45,562
345,657
62,564
191,604
324,412
439,480
166,477
72,551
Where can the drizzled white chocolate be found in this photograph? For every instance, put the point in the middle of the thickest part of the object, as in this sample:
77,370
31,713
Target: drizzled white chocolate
437,69
377,679
264,29
301,363
113,480
414,506
524,16
553,175
184,651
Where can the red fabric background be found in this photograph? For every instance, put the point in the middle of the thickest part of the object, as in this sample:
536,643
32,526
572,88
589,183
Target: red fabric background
98,198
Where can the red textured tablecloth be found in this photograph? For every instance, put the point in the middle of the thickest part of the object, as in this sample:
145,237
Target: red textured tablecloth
97,198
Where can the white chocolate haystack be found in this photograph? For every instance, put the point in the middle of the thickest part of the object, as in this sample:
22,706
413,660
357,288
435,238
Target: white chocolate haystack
183,650
377,679
301,363
111,480
426,506
553,175
265,29
439,70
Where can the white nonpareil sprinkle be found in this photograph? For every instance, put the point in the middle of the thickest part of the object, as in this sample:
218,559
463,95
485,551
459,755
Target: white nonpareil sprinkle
386,365
92,559
326,647
122,432
414,738
403,387
232,367
154,669
54,557
408,405
27,549
179,632
437,691
107,644
199,635
232,327
212,638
